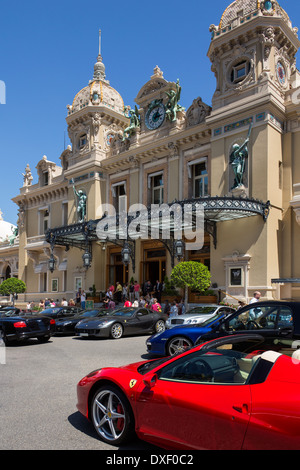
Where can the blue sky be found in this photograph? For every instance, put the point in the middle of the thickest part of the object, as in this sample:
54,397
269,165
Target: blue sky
48,51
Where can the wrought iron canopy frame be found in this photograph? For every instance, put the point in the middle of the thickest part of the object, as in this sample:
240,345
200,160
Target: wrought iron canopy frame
216,209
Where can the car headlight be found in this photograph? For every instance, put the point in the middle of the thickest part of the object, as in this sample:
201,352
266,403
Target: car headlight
104,323
193,321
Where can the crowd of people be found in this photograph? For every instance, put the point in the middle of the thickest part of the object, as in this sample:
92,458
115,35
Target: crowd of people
147,295
127,295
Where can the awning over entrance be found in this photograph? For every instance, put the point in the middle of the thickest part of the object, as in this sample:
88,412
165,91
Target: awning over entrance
169,217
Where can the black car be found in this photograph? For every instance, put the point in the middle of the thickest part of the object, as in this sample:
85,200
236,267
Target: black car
66,325
268,319
9,311
60,312
23,327
122,321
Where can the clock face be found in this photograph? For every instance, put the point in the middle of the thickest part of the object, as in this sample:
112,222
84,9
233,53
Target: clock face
281,75
155,116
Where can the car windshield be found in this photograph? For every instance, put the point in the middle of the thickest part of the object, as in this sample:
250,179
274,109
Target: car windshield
211,320
201,311
92,313
145,368
123,312
8,313
51,310
217,366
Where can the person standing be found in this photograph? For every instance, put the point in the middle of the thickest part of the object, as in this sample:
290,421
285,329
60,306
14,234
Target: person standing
174,309
167,308
158,290
83,299
156,307
131,292
136,288
118,292
256,297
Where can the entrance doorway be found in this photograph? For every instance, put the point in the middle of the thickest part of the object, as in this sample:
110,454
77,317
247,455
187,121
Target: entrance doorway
117,271
154,263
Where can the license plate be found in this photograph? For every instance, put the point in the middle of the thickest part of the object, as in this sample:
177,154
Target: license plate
83,334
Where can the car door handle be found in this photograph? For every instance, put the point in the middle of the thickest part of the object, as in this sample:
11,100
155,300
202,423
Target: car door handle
241,408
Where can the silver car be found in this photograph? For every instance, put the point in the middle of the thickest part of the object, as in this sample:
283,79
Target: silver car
198,315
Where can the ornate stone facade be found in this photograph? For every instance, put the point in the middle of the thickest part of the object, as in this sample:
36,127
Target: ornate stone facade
252,52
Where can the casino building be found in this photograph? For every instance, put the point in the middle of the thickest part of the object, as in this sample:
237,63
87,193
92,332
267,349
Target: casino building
238,157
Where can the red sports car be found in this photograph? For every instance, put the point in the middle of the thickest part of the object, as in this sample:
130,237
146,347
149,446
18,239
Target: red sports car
232,393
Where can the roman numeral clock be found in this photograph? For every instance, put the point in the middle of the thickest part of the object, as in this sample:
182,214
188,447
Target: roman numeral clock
155,115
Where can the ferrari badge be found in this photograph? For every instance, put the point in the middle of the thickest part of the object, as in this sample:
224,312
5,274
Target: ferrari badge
132,383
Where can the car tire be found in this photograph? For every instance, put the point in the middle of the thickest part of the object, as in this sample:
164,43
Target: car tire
43,339
178,345
112,416
116,331
159,326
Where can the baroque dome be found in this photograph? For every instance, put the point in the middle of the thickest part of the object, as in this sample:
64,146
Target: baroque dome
98,93
6,229
246,7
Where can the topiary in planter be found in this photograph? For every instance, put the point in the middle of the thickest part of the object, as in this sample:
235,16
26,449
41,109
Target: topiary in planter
191,274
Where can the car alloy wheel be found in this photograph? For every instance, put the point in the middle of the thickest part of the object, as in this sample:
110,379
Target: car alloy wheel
160,326
111,415
116,331
178,345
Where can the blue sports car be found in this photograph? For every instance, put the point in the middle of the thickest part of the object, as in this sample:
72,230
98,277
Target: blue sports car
180,338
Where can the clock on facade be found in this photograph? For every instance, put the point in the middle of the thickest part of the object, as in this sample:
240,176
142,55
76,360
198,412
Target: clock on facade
155,115
281,75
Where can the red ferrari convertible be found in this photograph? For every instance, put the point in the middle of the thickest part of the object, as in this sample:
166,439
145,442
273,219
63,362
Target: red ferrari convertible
228,394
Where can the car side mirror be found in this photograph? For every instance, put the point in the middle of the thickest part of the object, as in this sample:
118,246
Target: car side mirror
150,380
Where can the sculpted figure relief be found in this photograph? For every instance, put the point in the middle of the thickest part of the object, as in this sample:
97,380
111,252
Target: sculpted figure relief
81,203
172,107
237,159
134,123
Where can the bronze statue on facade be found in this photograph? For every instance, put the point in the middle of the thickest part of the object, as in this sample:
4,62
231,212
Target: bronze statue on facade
81,199
172,107
238,156
134,123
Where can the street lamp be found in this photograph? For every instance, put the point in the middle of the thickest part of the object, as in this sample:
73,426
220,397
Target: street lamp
87,258
126,254
51,263
179,249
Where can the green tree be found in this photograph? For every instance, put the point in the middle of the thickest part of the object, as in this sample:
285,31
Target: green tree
191,274
12,286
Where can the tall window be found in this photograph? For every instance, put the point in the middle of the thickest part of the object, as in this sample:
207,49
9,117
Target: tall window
157,188
45,178
200,179
43,282
119,197
82,141
44,217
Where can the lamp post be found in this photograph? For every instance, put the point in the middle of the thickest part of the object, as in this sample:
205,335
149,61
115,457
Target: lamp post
126,254
51,263
179,249
87,259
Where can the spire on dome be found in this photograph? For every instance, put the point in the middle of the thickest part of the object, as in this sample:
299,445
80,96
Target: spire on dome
99,67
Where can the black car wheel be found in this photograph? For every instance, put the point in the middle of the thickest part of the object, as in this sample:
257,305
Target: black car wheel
160,326
112,416
43,339
116,331
178,345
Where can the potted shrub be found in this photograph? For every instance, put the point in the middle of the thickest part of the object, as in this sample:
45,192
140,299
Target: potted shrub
193,276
